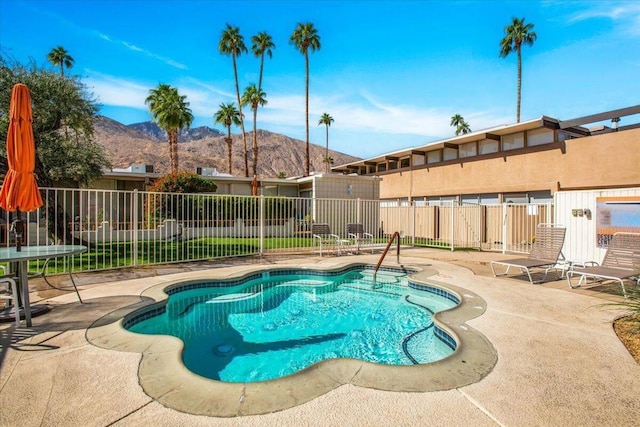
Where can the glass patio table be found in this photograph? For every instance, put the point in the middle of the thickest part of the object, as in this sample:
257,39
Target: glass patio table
31,253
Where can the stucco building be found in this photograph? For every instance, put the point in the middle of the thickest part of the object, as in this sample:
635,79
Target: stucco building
523,162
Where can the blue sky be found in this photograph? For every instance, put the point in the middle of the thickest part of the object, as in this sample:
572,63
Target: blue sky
390,73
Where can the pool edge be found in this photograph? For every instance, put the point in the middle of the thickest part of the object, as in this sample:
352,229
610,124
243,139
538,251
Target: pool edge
165,379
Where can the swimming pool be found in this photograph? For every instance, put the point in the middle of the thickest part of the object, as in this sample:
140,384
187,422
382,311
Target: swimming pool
274,323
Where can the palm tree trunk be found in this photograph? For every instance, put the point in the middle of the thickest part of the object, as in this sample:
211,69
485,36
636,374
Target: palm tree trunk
255,142
519,84
244,135
326,150
173,150
261,68
229,141
307,166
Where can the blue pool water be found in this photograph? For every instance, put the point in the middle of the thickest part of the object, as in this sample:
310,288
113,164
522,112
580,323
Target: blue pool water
273,325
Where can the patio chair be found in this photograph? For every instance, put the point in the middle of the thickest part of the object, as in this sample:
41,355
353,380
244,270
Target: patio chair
621,262
9,292
361,239
322,236
545,254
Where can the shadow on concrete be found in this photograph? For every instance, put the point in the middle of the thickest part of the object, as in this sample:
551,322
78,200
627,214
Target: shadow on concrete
64,318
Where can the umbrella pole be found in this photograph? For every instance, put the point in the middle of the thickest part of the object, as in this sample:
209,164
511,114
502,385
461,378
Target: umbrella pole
18,229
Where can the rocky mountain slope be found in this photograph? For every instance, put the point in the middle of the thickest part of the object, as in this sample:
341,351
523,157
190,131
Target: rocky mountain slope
144,143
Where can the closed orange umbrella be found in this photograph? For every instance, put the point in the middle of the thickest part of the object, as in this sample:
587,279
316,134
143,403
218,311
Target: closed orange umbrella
20,189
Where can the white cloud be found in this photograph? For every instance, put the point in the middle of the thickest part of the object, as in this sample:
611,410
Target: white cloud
626,15
204,98
117,92
382,125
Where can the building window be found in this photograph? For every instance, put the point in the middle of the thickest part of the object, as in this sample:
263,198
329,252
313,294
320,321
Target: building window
418,159
468,150
539,137
470,198
393,164
487,146
404,163
540,196
489,199
515,198
382,167
433,156
449,154
513,141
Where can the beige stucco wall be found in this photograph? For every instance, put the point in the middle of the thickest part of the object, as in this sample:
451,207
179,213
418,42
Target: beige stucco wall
346,187
601,161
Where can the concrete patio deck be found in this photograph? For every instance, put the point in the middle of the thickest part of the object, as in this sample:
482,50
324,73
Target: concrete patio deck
559,360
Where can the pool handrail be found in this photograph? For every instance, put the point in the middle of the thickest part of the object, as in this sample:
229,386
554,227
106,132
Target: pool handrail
384,253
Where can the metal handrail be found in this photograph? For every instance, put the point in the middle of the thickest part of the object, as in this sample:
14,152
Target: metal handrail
384,253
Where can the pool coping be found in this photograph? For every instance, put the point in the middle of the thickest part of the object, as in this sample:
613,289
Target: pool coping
164,377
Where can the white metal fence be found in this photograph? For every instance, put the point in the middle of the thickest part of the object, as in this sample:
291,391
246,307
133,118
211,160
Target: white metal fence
133,228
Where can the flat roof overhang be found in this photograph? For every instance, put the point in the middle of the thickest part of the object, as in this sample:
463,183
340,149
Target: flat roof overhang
493,134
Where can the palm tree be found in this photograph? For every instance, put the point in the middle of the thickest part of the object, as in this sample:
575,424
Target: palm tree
328,160
232,43
462,127
326,120
516,35
254,97
305,37
228,115
262,44
171,112
60,57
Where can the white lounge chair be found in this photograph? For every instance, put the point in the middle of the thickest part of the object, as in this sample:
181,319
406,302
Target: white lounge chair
361,239
322,236
621,262
545,253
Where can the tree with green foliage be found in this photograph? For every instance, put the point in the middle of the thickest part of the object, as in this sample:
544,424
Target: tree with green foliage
255,98
190,205
326,120
262,43
328,160
305,38
60,161
516,35
171,112
232,43
228,115
60,57
461,126
184,182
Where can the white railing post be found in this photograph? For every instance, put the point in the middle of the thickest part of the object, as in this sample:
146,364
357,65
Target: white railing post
413,223
134,228
504,228
453,225
261,224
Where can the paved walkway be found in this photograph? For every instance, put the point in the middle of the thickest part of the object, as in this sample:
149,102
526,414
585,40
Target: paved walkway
559,361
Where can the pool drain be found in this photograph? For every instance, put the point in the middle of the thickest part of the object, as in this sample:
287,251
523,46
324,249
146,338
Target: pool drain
224,350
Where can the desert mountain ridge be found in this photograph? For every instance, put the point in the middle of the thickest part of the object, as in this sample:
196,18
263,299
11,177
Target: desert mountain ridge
204,147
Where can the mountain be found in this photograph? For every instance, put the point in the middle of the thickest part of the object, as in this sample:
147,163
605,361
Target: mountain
153,131
276,153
